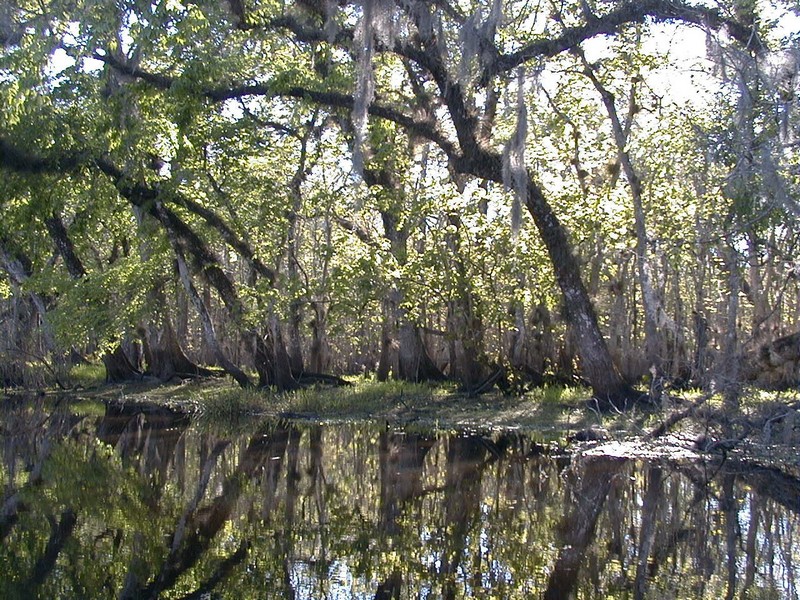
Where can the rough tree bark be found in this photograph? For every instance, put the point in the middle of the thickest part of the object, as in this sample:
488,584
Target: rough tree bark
119,367
163,352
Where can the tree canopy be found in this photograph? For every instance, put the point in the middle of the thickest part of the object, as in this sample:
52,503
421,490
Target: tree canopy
491,191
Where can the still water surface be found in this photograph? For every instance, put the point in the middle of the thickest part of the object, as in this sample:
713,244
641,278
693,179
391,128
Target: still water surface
146,504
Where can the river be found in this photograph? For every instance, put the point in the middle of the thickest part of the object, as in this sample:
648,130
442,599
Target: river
125,501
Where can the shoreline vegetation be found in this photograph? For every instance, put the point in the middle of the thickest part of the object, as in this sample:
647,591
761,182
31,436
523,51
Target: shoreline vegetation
764,430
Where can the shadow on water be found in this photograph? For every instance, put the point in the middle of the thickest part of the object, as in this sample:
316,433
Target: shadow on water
142,503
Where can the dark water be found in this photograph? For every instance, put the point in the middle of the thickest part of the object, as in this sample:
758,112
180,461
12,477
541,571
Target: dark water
134,504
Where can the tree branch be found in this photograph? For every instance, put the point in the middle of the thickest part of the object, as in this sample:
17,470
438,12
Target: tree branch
361,233
627,12
143,196
426,128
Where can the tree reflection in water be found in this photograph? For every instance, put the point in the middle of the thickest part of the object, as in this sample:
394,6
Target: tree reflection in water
141,503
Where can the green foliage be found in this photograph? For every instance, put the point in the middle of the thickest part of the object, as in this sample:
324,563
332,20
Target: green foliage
214,114
87,375
103,306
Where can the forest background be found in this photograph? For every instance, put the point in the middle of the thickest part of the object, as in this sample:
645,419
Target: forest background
491,192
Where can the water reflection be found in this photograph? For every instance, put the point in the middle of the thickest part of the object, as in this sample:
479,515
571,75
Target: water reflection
141,503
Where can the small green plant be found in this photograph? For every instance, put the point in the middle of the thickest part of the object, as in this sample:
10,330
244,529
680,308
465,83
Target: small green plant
87,375
234,401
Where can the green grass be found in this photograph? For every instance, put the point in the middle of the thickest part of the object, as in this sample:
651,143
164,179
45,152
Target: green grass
551,410
222,403
364,399
87,375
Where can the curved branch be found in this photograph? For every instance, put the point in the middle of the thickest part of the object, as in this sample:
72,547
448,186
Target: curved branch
227,234
639,11
143,196
361,233
426,128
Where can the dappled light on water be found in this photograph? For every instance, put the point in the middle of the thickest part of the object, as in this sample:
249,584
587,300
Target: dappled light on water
143,503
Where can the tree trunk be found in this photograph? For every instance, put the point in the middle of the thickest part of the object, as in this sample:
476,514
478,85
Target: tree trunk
414,363
163,352
540,353
295,350
474,157
320,352
728,371
650,303
64,246
756,292
272,361
18,268
388,334
202,310
463,314
700,359
609,389
118,367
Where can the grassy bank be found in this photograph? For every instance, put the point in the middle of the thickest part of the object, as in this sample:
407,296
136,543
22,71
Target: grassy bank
764,421
554,408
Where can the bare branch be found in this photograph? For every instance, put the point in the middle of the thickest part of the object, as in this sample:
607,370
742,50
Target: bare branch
626,13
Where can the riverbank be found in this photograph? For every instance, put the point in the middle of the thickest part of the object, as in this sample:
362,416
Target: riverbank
555,408
766,425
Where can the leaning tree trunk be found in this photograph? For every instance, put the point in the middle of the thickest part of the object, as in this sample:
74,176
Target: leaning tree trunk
473,156
608,387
